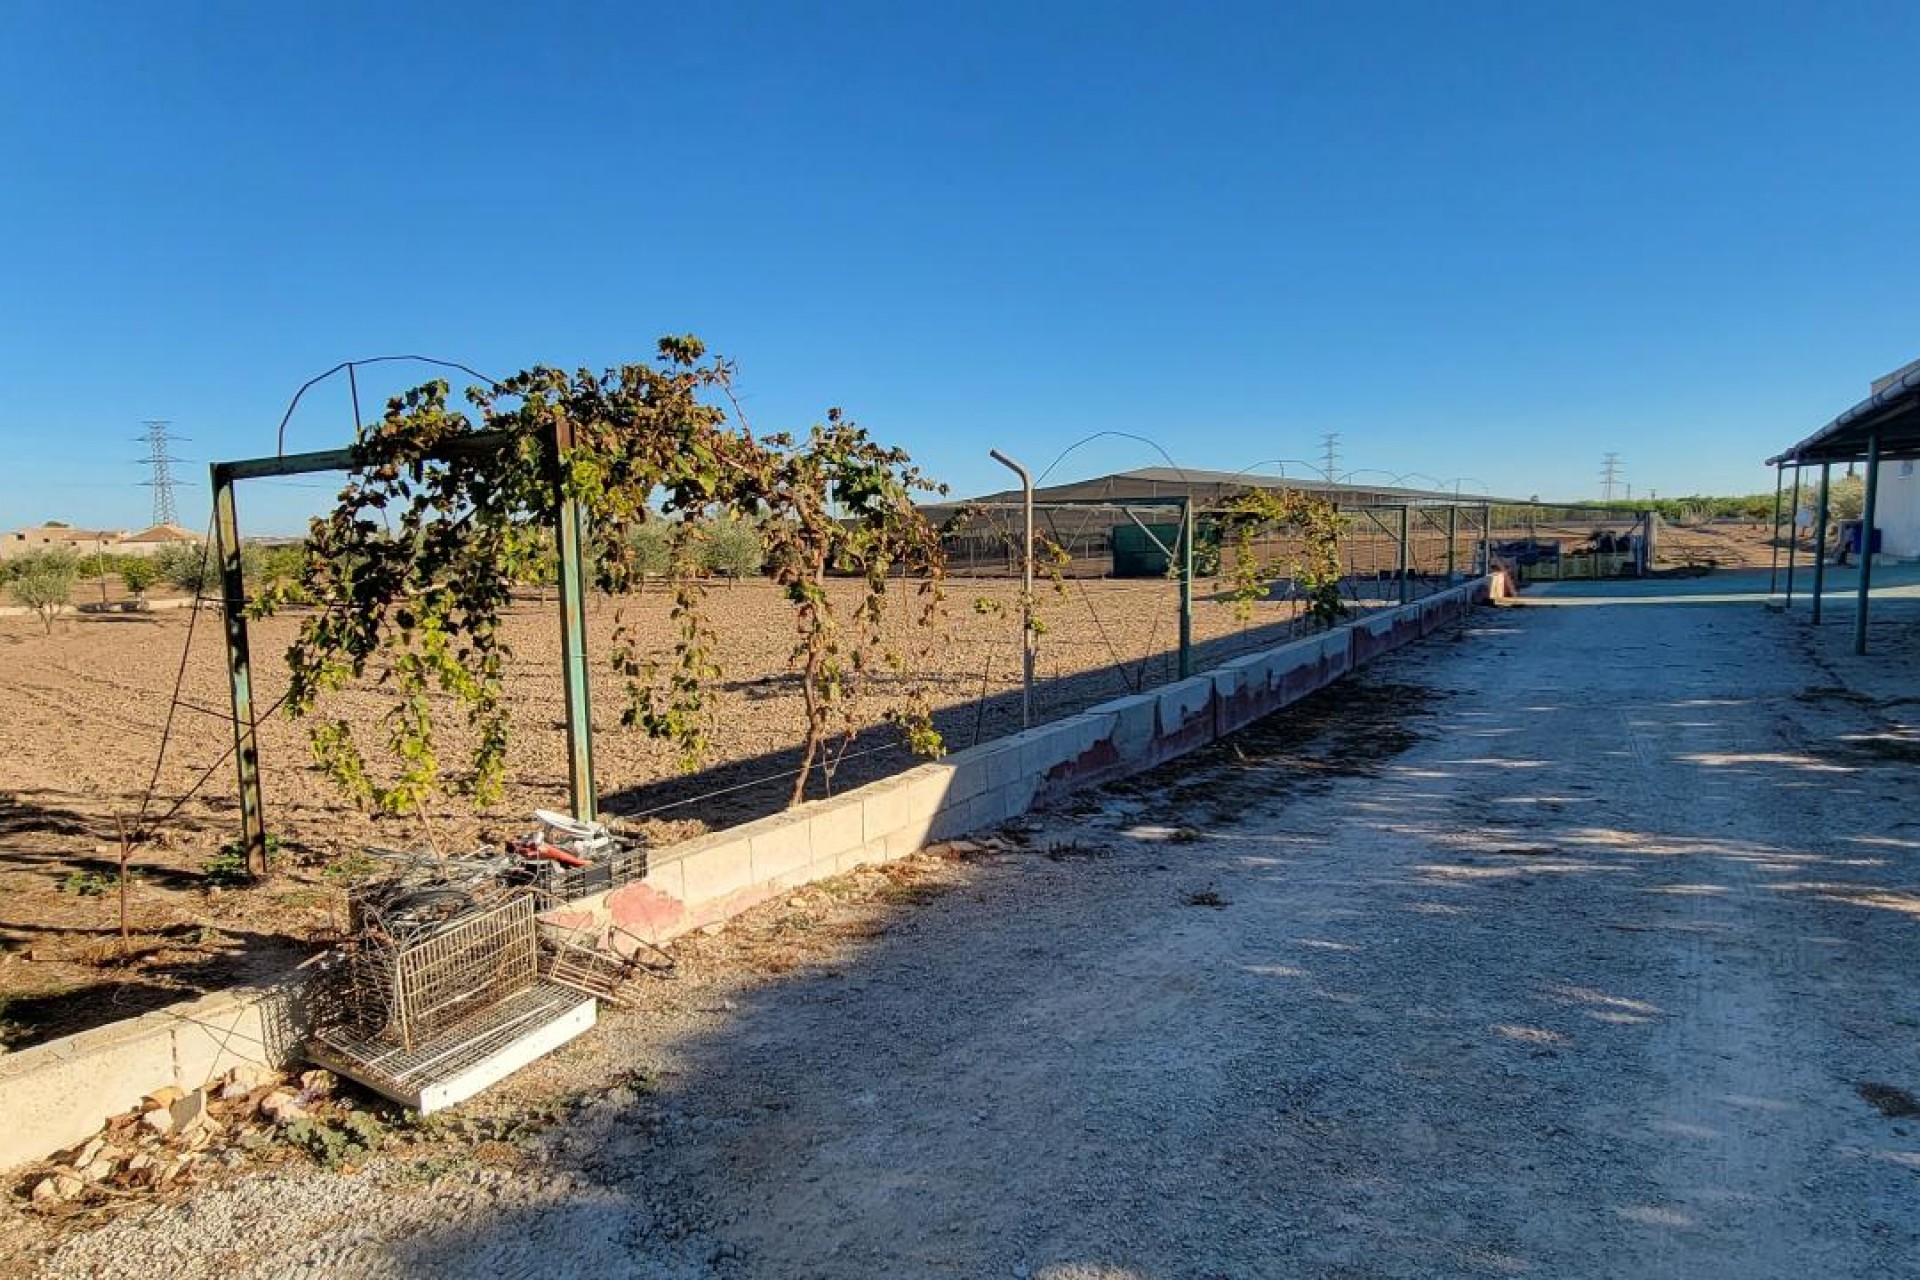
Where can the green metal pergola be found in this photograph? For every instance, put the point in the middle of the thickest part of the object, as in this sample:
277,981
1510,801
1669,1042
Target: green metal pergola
1885,427
233,600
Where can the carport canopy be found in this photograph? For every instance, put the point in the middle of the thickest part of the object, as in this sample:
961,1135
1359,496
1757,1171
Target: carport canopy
1891,413
1882,428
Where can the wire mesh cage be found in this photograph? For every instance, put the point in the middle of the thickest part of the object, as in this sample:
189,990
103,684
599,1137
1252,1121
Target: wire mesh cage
421,961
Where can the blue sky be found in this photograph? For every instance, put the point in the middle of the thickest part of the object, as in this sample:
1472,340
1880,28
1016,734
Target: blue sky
1491,241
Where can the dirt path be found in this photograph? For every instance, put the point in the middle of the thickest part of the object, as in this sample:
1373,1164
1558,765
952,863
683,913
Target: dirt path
1579,946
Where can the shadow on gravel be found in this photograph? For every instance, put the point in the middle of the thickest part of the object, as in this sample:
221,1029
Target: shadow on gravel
1385,1063
743,790
1028,1088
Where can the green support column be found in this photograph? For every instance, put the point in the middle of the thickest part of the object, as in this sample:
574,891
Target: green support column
1453,514
1406,587
233,608
573,634
1820,542
1793,536
1486,538
1773,574
1866,542
1186,588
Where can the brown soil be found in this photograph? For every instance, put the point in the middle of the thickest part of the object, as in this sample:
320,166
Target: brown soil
82,713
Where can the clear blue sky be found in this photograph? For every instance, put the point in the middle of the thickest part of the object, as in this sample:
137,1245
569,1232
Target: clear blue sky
1491,241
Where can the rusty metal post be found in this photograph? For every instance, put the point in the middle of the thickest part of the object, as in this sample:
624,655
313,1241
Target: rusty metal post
233,608
573,631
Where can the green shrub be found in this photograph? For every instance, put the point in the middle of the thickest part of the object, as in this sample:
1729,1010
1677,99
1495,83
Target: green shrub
137,573
190,567
43,581
732,548
652,543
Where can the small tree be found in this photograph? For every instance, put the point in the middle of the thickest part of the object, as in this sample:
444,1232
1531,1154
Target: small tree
137,573
44,583
651,542
732,547
189,566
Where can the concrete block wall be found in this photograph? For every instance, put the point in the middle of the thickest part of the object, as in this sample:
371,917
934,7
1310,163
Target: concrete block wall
720,875
56,1094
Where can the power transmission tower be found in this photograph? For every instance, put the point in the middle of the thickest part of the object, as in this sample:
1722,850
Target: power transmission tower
1331,443
157,439
1609,476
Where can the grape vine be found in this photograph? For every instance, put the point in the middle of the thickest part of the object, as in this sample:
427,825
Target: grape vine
409,575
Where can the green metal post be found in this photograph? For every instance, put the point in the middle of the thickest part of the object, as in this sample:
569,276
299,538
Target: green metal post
1820,542
1866,542
1406,587
573,634
233,608
1186,588
1453,515
1793,536
1773,575
1486,538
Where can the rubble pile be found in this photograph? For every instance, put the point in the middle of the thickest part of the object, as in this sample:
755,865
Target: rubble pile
176,1137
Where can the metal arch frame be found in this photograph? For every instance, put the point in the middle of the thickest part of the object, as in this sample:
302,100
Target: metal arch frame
568,537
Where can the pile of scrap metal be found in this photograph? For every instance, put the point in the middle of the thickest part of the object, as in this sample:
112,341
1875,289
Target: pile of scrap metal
447,980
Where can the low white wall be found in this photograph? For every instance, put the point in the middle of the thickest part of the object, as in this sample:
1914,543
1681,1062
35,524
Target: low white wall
56,1094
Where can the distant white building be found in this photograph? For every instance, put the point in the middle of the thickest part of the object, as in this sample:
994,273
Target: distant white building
1897,502
85,542
152,541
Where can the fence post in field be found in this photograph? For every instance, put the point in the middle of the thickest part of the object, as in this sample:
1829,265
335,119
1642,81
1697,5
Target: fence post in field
1406,586
573,631
233,610
1028,640
1186,587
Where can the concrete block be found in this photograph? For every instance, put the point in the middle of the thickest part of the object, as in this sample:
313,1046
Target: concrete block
1135,724
1009,764
885,807
782,846
926,786
837,826
870,854
718,870
966,772
1183,702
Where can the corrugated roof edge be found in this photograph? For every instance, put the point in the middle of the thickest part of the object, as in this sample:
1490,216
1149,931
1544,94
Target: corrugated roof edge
1902,393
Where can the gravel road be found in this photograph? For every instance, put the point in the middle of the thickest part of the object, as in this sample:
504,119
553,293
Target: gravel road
1579,944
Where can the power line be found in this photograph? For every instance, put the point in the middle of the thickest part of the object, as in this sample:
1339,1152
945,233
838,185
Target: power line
161,482
1330,442
1609,476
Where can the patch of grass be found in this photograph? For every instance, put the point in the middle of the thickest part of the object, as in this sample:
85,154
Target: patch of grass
351,868
227,869
86,884
336,1144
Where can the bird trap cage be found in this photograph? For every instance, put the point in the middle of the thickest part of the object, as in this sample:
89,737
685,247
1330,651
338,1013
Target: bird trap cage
423,960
